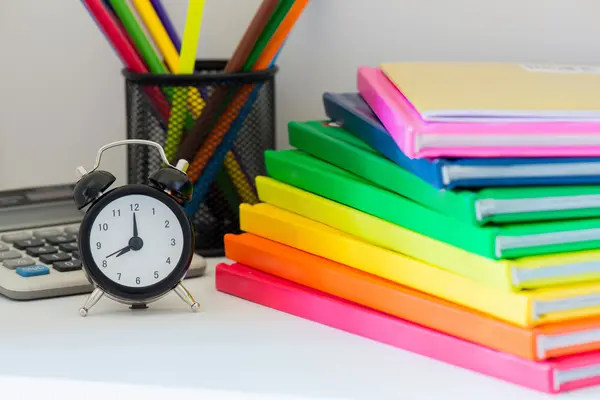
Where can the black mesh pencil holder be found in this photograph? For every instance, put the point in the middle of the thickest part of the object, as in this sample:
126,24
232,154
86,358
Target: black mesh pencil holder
168,108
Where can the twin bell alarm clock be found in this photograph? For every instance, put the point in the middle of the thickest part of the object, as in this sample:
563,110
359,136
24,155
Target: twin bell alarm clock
136,241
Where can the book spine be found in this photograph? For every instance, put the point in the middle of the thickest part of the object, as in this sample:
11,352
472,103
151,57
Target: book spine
437,176
379,139
400,128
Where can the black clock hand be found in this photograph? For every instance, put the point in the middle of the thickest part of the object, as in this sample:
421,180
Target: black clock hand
125,250
121,252
135,230
135,244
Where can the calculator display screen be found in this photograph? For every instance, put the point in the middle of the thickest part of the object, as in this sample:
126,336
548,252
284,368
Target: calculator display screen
37,207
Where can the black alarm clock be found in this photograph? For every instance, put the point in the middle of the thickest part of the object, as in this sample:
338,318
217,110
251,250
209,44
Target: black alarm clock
136,242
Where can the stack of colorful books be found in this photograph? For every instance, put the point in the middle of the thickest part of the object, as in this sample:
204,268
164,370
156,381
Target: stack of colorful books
449,209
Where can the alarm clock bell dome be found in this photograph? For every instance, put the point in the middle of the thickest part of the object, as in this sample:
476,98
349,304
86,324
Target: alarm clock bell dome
174,181
91,186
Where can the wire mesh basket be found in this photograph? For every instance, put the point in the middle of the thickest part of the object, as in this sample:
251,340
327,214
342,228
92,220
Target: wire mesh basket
153,113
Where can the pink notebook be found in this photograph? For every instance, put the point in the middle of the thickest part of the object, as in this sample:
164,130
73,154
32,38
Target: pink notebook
553,376
425,139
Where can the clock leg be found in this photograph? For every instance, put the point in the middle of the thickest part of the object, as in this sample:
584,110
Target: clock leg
183,293
93,299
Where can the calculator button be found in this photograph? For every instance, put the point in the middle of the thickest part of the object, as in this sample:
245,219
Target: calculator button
9,255
33,270
11,237
68,247
3,247
76,254
23,244
52,258
19,262
61,239
44,233
72,229
66,266
38,251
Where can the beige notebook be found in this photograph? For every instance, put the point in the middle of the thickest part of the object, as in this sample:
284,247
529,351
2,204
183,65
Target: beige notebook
484,91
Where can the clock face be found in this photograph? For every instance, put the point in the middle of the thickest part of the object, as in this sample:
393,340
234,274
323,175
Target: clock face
136,240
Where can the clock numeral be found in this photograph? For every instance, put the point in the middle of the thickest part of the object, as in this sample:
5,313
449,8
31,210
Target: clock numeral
153,211
116,213
103,227
98,245
134,207
156,274
168,260
137,280
166,223
118,273
104,263
173,242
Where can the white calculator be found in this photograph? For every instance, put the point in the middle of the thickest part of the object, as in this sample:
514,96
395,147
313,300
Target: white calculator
39,255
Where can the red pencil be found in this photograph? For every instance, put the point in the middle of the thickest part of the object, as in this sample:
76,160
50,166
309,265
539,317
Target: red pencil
121,44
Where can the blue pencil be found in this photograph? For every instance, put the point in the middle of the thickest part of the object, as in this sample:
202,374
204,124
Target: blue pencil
203,183
166,21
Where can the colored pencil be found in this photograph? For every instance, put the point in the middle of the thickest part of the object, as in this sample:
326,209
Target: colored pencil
208,148
279,14
202,186
124,12
122,46
166,22
166,47
218,100
138,36
158,32
187,63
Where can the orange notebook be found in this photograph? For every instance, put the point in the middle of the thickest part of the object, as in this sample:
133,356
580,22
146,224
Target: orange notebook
540,343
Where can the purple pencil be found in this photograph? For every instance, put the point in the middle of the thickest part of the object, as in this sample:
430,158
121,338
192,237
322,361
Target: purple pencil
166,21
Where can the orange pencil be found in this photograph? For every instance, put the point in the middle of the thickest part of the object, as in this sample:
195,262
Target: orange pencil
224,122
540,343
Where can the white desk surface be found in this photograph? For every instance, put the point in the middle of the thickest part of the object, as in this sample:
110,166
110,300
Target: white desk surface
230,349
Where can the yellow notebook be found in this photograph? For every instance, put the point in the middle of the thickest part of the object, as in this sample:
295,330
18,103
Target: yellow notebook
485,91
527,309
514,275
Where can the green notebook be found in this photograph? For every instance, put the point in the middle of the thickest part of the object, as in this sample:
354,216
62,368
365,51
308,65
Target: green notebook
500,205
301,170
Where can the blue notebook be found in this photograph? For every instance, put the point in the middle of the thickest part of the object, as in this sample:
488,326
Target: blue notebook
351,112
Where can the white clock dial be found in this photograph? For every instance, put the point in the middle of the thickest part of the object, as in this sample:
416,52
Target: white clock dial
142,258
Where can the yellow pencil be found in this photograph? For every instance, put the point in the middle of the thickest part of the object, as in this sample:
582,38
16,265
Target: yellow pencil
239,180
167,48
158,32
187,62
